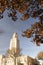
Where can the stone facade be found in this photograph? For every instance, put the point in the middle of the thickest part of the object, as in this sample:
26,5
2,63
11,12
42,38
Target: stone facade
13,56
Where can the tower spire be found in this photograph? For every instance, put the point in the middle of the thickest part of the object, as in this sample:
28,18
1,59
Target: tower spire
14,43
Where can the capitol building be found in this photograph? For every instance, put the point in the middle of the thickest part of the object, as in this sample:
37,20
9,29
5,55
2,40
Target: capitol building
14,56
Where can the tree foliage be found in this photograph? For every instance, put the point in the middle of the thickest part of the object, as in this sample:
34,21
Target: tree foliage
35,31
27,8
40,56
32,61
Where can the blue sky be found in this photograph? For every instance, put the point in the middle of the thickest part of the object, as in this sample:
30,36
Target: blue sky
9,27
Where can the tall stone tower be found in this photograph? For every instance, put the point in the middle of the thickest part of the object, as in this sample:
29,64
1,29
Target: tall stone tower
14,44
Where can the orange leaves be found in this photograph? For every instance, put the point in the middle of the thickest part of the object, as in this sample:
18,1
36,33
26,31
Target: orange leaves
23,6
40,56
37,13
40,2
2,6
2,9
26,16
27,33
36,29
